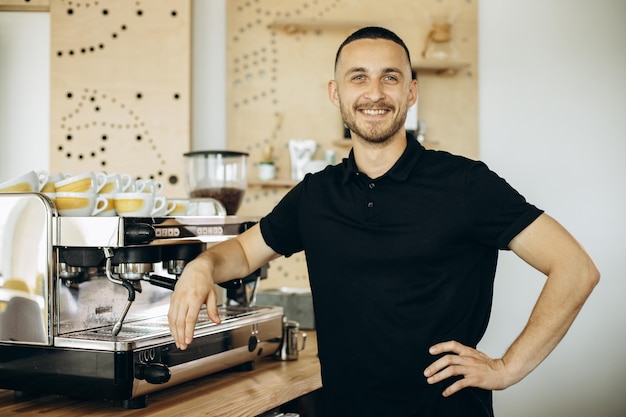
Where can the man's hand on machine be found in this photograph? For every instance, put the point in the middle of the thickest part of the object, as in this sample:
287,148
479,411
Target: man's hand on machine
194,288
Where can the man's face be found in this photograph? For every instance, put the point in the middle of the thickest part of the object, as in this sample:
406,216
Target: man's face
373,88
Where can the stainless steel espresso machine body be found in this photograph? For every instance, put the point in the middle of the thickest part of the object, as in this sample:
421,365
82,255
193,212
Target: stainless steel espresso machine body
84,300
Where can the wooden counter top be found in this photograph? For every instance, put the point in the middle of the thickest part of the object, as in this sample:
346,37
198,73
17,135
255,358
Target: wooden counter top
228,394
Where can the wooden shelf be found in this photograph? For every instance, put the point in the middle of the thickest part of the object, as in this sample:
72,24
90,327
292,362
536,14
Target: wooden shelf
293,26
440,67
343,143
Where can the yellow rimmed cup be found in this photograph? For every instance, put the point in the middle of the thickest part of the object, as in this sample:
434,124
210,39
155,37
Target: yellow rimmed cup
72,204
31,181
138,204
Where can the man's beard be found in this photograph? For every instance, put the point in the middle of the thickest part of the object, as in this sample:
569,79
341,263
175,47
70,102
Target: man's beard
373,132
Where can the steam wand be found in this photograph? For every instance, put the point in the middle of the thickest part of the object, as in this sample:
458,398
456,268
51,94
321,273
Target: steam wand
131,297
108,254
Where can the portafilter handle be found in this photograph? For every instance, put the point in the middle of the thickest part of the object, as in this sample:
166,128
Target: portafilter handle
161,281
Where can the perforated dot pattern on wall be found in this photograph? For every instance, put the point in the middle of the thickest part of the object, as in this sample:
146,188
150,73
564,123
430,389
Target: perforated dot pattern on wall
262,93
120,89
258,57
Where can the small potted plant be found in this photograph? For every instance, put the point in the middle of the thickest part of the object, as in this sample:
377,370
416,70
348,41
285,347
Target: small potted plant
267,169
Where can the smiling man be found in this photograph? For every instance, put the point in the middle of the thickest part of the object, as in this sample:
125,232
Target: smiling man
374,98
401,246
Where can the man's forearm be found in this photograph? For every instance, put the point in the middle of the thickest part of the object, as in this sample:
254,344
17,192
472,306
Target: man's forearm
225,261
572,275
553,314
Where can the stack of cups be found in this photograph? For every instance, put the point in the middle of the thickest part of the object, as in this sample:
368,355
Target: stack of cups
77,195
142,199
113,185
49,189
99,194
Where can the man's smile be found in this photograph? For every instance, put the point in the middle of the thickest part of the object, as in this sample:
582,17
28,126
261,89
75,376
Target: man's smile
374,112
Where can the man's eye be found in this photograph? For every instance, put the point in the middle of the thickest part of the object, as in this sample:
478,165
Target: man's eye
391,78
358,78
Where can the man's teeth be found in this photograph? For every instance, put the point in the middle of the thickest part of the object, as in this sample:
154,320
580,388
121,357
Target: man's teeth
374,112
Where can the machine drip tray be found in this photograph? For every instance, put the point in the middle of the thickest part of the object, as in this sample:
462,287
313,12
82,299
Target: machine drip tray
155,330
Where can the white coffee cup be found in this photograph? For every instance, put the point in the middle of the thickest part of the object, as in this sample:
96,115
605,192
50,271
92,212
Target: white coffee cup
32,181
205,207
138,204
82,183
75,204
52,179
116,183
148,186
109,211
127,181
177,207
165,209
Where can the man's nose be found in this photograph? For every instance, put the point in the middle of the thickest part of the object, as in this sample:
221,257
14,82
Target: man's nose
375,91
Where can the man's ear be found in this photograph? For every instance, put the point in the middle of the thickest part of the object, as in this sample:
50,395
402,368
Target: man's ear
413,92
332,92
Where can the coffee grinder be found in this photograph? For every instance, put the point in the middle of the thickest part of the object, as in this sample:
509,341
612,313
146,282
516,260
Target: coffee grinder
221,175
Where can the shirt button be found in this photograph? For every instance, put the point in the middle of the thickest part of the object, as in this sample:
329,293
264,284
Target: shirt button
371,185
370,204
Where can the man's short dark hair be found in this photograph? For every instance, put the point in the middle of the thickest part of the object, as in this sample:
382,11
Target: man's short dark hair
373,32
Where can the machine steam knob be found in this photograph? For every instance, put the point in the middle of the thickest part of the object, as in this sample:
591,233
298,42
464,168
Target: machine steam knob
253,341
154,373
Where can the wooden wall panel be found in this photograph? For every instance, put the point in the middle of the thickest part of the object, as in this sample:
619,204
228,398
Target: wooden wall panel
280,58
120,88
24,5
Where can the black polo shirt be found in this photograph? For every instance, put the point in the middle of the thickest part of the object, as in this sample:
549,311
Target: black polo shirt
397,264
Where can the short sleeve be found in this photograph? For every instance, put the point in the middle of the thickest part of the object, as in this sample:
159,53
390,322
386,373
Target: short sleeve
496,212
281,227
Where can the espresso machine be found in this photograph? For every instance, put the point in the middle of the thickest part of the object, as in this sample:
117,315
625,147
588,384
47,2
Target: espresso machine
84,301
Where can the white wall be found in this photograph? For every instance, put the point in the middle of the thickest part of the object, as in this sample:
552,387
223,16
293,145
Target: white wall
209,75
552,122
24,92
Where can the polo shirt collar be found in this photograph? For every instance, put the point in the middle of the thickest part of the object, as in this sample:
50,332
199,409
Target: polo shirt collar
399,171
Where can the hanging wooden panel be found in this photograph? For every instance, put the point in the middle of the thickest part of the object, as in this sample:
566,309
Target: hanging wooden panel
120,88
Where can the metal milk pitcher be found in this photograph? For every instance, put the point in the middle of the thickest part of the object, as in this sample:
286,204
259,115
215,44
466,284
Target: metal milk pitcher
288,350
